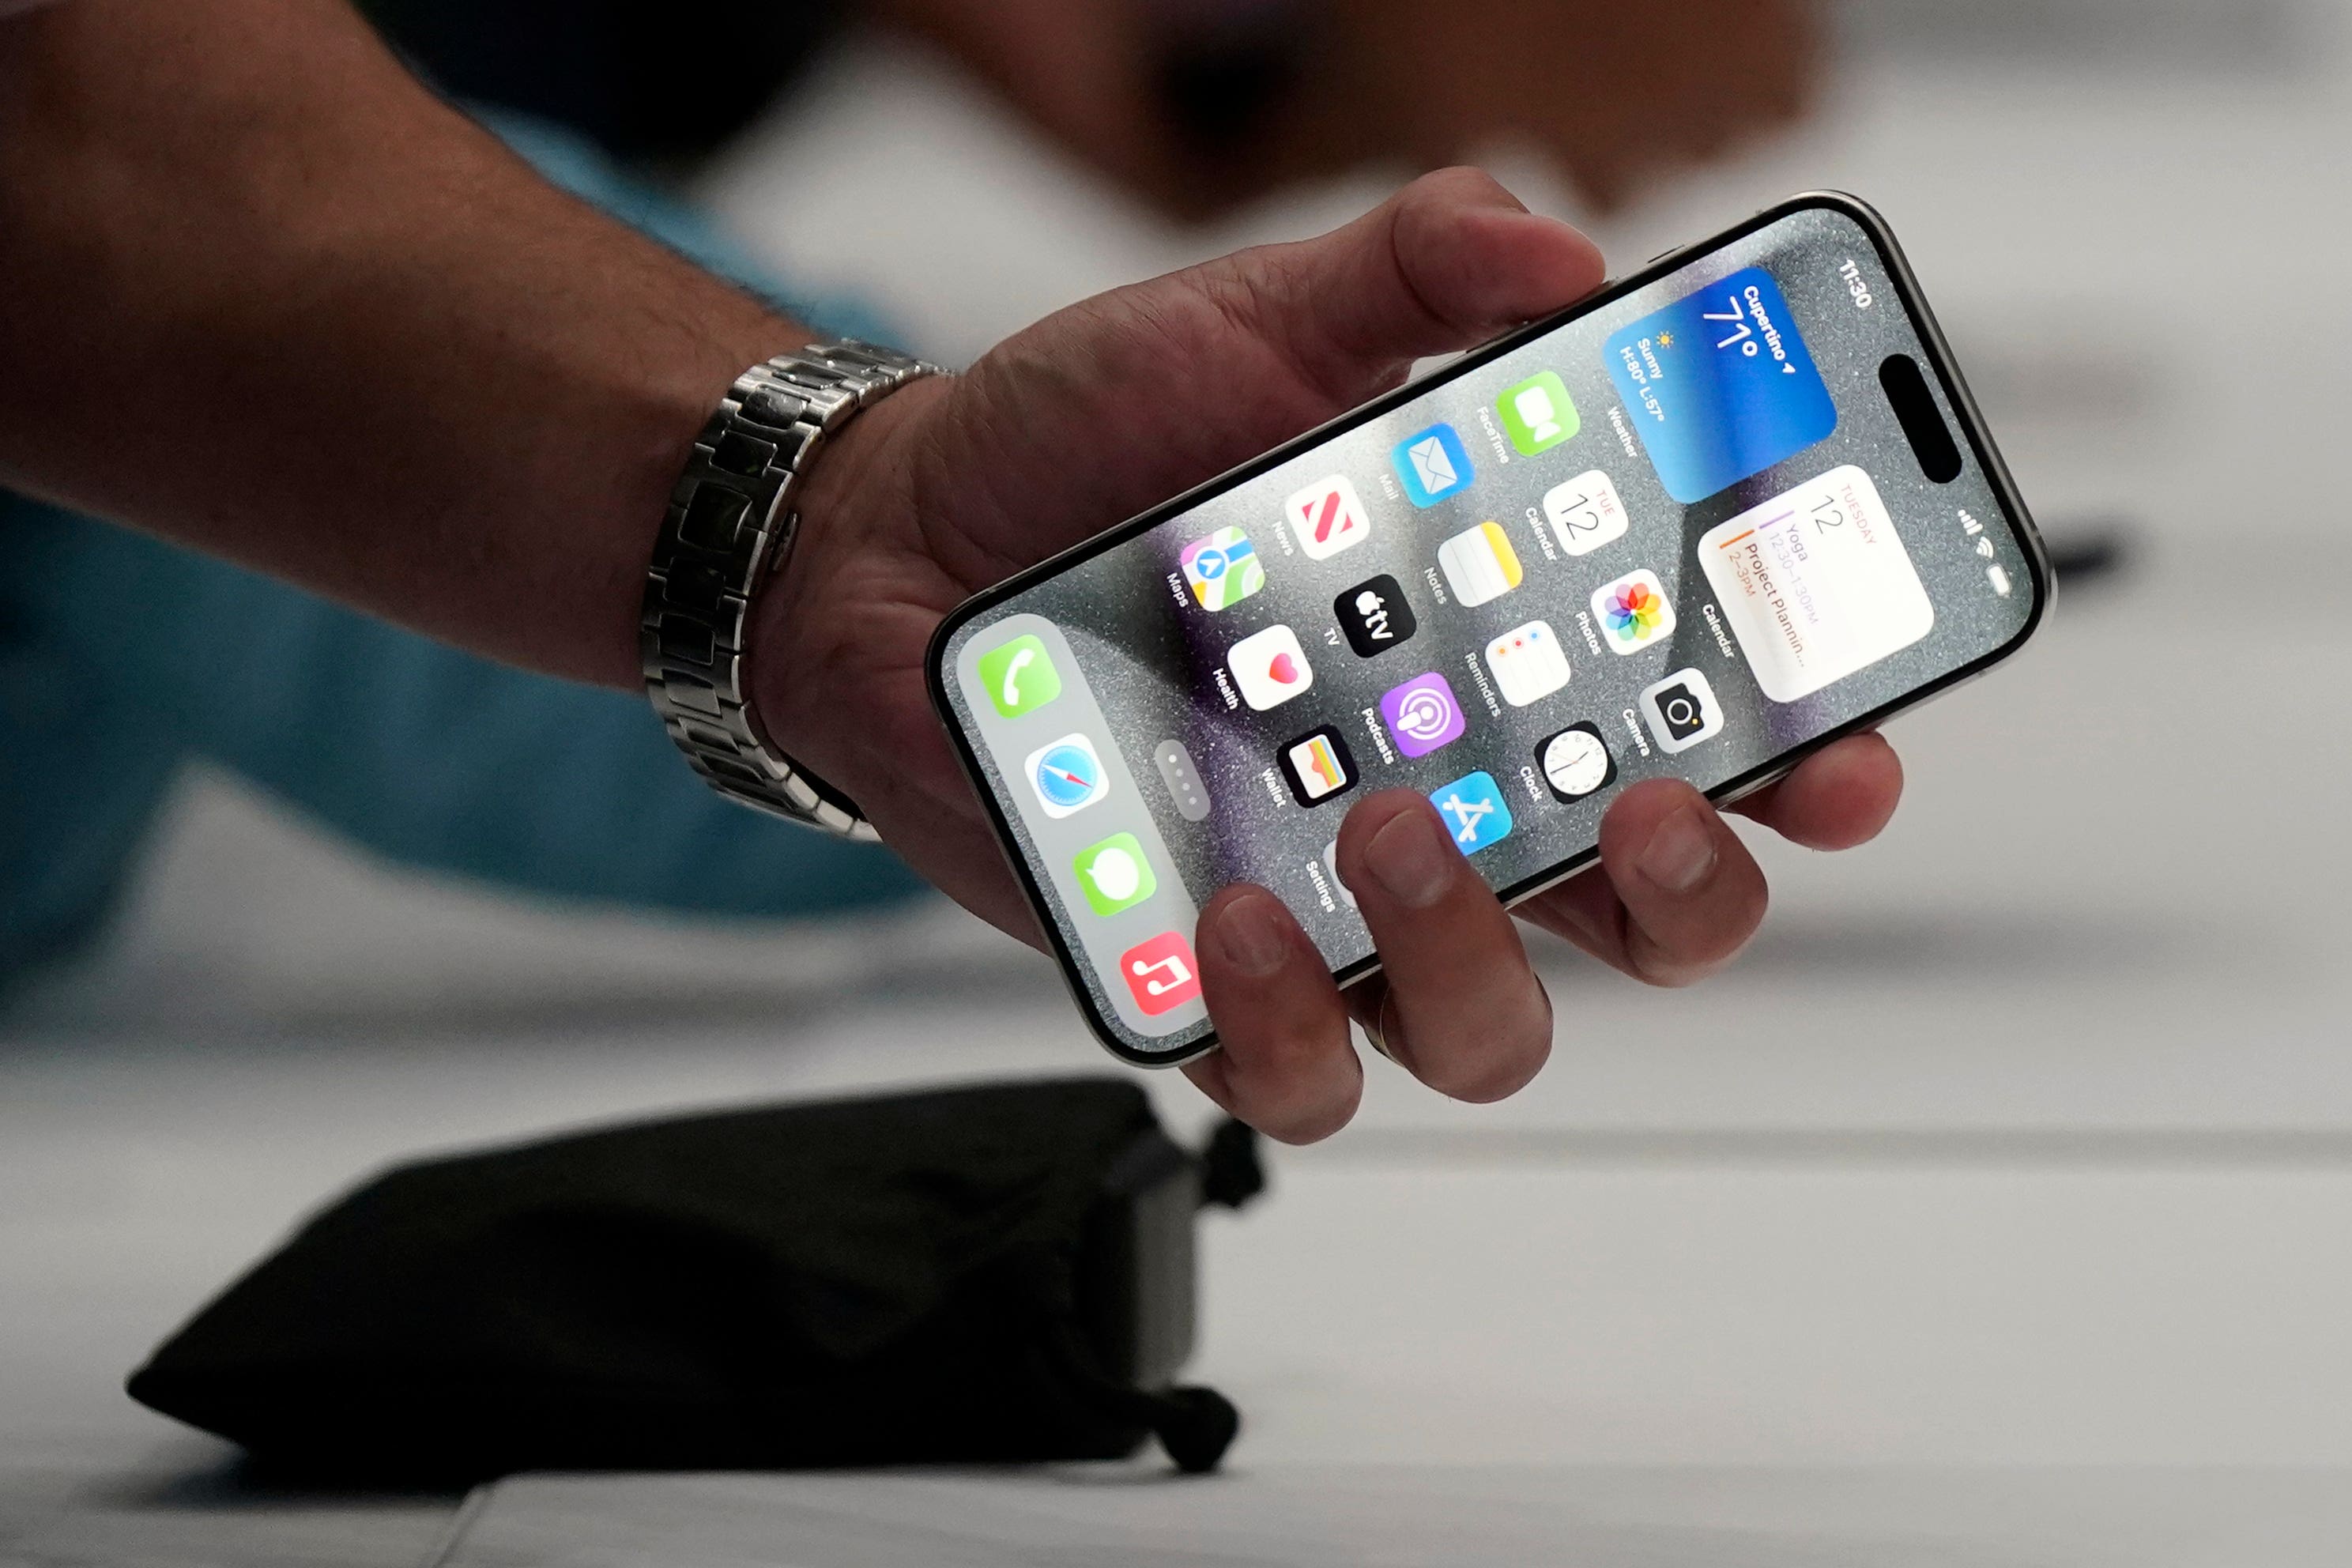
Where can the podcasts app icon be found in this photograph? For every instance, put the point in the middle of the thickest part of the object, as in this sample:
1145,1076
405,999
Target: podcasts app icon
1422,715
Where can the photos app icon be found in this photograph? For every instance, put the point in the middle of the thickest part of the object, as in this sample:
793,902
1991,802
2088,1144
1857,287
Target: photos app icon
1633,612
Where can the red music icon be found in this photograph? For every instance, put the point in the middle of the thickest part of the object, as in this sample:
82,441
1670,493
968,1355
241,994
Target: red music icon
1161,974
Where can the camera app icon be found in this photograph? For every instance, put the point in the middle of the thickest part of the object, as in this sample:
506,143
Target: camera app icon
1681,711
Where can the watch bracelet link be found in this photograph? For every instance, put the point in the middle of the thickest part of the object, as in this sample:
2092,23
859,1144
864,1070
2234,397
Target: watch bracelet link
730,526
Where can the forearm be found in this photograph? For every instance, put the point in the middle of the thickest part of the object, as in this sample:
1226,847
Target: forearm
262,293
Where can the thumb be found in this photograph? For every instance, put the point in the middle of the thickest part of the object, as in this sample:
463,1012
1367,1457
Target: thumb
1126,399
1449,262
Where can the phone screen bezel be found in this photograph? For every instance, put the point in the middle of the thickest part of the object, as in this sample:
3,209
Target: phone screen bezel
938,674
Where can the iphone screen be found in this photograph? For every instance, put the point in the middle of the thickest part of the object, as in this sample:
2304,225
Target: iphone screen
1716,516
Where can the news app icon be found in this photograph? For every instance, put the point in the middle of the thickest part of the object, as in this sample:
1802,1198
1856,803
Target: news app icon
1327,516
1375,616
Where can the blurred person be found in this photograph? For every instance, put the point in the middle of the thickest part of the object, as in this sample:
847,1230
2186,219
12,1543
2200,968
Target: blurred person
262,295
1195,106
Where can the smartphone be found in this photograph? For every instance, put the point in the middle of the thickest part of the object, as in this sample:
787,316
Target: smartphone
1709,520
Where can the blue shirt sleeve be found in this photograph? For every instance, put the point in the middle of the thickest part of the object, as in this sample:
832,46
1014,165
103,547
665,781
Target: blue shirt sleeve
121,657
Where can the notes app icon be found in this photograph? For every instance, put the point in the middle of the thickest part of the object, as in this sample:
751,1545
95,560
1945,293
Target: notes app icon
1480,565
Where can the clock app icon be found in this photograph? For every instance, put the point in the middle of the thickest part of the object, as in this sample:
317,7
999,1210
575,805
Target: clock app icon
1576,764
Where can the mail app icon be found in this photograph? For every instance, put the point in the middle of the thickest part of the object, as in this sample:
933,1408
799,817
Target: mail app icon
1433,465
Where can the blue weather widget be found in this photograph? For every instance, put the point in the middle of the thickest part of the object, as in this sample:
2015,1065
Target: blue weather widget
1721,385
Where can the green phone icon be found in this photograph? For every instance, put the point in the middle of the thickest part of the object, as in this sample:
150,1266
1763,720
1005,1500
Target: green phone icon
1538,413
1020,677
1114,875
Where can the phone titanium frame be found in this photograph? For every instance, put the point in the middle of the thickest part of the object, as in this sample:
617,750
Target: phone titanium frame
1980,446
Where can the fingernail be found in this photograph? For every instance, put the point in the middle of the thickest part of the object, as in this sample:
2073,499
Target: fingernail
1251,933
1681,853
1412,859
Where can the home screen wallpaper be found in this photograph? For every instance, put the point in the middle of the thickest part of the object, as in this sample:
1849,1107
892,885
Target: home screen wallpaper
1683,534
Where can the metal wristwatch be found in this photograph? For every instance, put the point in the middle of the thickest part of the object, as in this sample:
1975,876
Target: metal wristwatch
729,528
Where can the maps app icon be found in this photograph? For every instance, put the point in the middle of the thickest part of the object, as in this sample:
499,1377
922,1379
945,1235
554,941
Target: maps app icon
1222,569
1720,386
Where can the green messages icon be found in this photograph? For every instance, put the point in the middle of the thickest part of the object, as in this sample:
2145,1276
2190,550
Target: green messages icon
1020,677
1538,413
1114,875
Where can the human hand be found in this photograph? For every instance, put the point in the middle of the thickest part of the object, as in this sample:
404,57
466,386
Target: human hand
1198,105
1103,410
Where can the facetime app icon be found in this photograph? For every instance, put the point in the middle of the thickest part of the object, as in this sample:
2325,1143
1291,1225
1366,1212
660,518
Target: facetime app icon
1538,413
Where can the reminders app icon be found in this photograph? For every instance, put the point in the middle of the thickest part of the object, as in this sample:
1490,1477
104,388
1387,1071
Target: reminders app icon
1720,386
1433,465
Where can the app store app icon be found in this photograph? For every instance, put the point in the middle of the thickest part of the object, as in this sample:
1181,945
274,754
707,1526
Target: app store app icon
1474,808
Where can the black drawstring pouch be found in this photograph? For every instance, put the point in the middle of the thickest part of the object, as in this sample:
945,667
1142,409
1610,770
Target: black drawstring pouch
992,1274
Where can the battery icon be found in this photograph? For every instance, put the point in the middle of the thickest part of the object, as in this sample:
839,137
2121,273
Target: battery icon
1999,576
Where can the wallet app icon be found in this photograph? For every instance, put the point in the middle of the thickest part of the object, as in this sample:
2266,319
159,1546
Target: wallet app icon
1720,386
1433,465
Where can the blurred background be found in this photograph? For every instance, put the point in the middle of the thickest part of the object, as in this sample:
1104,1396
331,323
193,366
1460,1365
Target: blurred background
2022,1135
